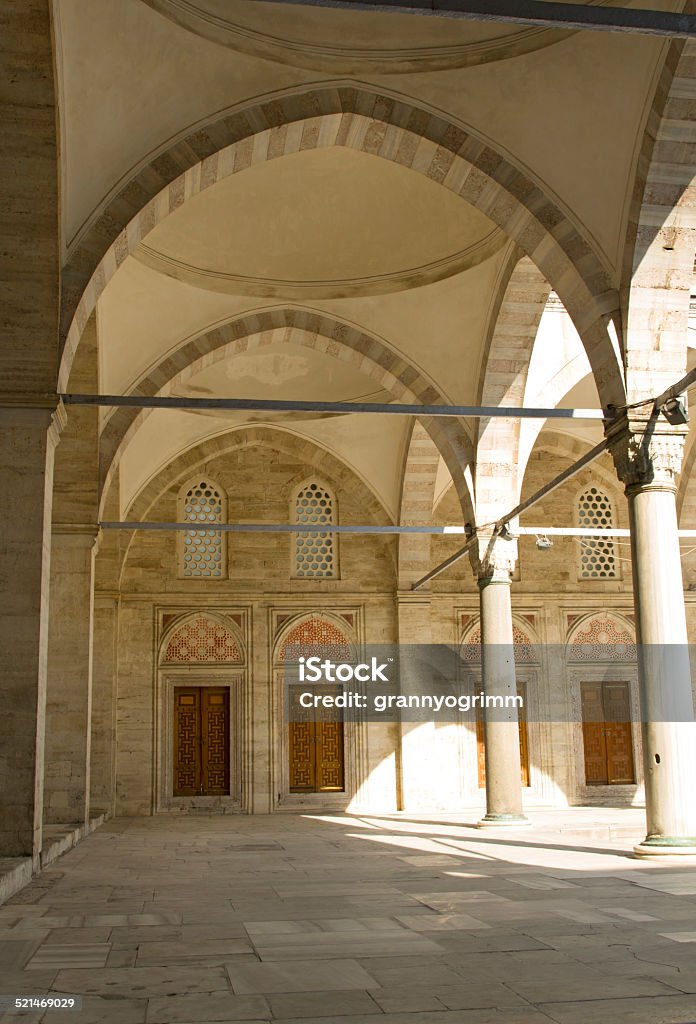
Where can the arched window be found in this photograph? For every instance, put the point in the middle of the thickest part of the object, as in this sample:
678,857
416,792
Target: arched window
203,553
598,555
315,554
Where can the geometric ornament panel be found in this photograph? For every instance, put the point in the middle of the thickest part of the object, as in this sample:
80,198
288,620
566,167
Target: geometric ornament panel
524,649
202,550
602,640
314,551
203,641
598,555
316,635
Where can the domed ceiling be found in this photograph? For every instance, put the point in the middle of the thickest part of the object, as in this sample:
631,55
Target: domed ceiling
320,223
344,42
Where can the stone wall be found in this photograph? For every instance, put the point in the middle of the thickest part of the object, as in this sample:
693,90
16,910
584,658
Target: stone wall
426,766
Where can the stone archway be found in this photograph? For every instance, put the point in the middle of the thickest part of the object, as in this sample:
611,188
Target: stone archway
661,237
378,124
340,339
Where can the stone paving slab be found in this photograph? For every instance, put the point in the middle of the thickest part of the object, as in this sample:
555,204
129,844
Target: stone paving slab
295,918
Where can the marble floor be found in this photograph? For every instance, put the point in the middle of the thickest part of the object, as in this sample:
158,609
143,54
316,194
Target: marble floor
356,919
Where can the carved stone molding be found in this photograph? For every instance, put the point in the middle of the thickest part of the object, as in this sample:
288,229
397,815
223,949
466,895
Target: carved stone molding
493,559
647,451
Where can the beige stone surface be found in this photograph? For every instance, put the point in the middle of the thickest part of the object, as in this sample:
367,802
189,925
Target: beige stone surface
563,936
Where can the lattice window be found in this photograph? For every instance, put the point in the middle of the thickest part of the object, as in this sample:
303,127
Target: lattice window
315,552
524,650
203,552
602,640
315,636
203,640
598,556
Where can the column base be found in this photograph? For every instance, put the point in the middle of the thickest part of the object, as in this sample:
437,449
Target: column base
503,821
666,846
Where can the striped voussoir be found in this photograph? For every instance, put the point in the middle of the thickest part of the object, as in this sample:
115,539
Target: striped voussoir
662,232
338,339
379,124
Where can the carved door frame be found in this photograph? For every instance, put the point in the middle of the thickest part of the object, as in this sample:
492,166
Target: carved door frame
203,702
229,679
588,672
354,758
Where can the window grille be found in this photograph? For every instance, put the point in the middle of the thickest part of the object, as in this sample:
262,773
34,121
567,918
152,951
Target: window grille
203,551
598,557
315,552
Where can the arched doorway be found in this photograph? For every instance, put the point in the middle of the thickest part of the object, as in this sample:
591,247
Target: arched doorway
201,715
318,752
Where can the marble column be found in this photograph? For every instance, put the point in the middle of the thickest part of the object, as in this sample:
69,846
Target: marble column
494,561
648,455
28,436
69,693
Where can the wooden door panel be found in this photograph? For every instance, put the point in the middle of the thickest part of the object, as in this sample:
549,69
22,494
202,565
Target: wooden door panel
302,774
595,746
301,745
480,750
201,741
187,761
594,734
316,747
607,734
329,756
215,747
620,766
524,741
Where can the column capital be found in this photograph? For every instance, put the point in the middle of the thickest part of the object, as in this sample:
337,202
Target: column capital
493,558
647,451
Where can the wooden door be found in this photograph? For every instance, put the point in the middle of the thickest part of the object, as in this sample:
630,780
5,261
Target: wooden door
301,746
524,740
594,735
617,709
607,734
187,741
316,749
201,741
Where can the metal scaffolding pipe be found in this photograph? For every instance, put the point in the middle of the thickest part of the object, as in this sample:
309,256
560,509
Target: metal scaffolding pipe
524,12
272,405
496,527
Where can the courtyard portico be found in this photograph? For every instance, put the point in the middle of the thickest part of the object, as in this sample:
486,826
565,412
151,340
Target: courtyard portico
206,203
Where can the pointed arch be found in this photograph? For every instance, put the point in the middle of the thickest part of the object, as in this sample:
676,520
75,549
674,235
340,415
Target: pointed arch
383,125
417,504
204,638
523,637
661,236
290,325
601,636
325,464
316,632
504,379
